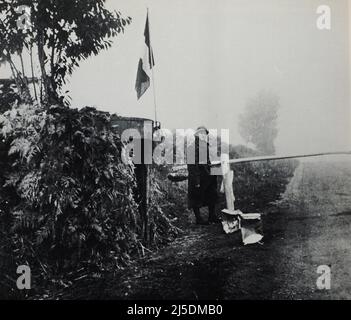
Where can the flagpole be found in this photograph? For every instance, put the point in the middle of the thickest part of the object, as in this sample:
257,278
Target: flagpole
152,69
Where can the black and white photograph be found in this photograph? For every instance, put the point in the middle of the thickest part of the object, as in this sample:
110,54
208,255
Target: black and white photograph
175,150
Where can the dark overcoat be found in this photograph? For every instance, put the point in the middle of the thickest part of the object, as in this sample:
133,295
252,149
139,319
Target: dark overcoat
200,174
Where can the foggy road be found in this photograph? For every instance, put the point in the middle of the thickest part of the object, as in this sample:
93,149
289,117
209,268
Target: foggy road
317,232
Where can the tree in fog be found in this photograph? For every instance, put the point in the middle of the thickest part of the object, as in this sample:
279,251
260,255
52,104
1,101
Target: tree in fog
258,123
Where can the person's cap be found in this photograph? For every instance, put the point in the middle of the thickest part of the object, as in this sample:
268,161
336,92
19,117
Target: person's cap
201,129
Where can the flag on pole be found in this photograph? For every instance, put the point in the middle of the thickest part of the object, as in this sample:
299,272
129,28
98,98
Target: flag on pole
146,63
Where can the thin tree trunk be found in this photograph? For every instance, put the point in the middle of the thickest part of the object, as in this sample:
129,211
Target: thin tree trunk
41,90
26,92
41,56
14,75
33,75
22,65
52,63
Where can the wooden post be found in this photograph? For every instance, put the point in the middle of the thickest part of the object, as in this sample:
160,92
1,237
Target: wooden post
228,176
142,193
230,221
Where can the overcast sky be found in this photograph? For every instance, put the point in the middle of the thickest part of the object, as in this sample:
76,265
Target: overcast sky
213,55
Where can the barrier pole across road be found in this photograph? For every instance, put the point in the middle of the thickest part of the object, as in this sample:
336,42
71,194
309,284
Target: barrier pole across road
267,158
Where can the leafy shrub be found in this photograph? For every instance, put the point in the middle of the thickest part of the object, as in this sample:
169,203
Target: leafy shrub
74,195
259,184
8,95
162,208
66,200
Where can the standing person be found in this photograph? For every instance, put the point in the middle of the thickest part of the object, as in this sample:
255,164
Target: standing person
202,186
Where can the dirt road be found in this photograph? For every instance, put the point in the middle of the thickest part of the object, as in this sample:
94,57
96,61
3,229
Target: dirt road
317,214
309,228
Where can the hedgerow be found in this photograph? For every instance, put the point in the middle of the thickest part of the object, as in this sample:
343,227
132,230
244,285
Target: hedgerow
257,185
71,203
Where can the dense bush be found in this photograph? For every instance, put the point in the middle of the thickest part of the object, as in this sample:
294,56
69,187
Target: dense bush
72,202
259,184
75,200
172,197
165,205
